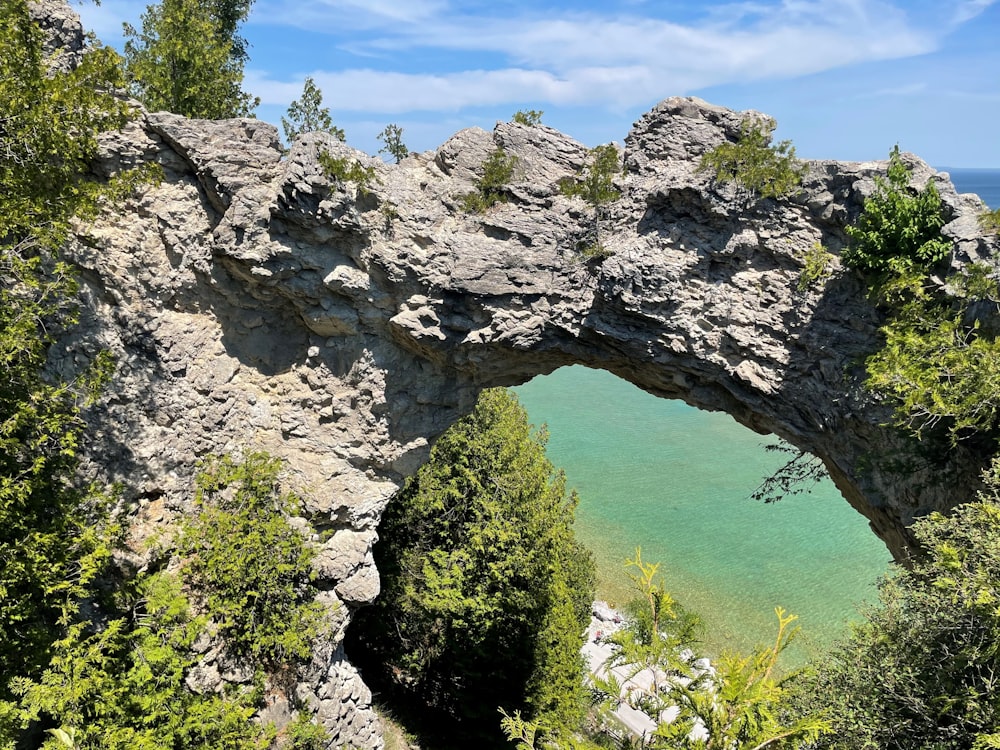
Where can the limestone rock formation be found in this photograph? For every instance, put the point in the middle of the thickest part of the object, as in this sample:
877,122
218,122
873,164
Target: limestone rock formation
252,302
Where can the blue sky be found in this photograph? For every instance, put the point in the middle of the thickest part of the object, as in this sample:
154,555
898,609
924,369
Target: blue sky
845,79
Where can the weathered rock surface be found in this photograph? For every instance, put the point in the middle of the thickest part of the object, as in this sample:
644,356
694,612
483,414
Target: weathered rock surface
252,302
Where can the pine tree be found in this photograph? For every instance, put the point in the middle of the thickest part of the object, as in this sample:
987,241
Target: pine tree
187,59
485,591
308,115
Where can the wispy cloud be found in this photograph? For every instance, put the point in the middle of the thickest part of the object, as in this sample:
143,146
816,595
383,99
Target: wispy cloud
969,9
591,58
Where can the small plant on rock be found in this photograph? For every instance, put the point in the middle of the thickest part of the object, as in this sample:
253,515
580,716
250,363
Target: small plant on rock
990,221
899,231
756,166
817,267
251,567
530,117
491,187
342,169
392,139
595,184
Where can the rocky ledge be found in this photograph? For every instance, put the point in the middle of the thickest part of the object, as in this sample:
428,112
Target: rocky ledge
254,303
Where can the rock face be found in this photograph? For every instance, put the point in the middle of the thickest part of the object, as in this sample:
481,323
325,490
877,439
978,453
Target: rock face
253,302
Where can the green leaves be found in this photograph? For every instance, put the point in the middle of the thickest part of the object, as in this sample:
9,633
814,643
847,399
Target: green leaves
921,670
594,183
899,231
753,164
491,186
187,58
308,115
122,687
392,140
252,568
485,591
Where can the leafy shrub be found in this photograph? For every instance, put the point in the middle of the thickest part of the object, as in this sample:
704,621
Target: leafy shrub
920,671
485,592
990,221
817,267
392,139
594,183
753,164
122,686
342,169
250,565
742,703
491,187
530,117
899,231
308,115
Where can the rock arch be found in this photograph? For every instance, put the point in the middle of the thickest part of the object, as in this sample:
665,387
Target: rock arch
251,301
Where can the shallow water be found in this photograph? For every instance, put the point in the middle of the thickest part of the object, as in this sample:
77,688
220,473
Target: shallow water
676,481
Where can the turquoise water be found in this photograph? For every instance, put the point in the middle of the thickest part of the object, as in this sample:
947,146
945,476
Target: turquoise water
676,481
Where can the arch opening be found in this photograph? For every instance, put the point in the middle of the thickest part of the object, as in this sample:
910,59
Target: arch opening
676,481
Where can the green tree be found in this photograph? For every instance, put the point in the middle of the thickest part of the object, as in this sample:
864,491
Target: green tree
761,169
530,117
899,231
740,704
485,591
122,686
491,186
392,138
250,565
308,115
922,669
595,184
50,535
187,59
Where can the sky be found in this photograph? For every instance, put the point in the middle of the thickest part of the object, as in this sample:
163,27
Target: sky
845,79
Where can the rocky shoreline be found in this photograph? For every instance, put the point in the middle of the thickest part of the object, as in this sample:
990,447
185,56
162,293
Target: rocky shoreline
598,650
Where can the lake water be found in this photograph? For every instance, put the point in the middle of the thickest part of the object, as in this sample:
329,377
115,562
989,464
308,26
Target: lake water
676,481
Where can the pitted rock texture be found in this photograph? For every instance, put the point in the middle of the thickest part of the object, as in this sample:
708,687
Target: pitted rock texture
252,302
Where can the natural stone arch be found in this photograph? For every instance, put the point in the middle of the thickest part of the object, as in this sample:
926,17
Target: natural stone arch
252,303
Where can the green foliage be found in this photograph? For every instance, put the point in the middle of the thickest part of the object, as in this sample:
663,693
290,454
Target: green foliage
938,371
595,180
121,686
990,221
937,365
594,183
341,169
187,58
304,734
491,187
51,531
485,591
48,132
741,704
251,567
817,267
529,117
308,115
753,164
899,231
392,139
921,670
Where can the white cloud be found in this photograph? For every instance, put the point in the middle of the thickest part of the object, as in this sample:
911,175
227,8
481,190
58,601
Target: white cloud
969,9
585,59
